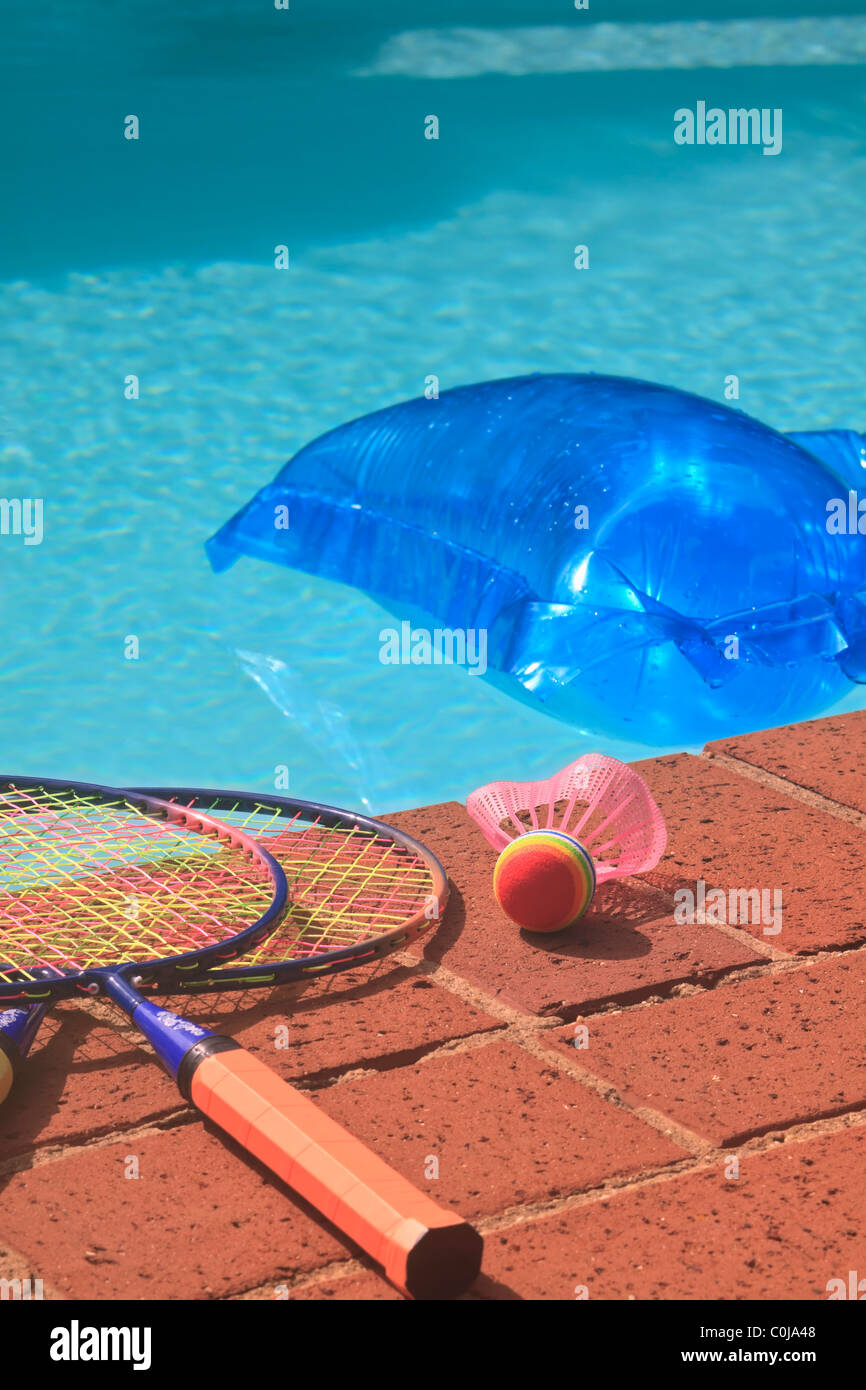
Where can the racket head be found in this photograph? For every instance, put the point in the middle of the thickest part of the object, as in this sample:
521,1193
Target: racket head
95,880
360,889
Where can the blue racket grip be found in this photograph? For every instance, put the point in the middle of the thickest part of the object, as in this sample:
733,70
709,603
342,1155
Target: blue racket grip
18,1028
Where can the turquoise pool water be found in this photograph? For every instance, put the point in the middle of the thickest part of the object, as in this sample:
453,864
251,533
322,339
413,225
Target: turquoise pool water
408,257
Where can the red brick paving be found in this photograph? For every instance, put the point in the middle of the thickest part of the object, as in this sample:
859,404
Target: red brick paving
823,755
492,1156
606,1167
790,1223
198,1221
737,1061
731,832
82,1079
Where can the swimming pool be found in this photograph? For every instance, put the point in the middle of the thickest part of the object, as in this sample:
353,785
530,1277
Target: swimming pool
408,257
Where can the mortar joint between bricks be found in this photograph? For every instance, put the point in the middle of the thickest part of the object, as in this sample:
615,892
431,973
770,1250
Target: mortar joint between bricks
793,790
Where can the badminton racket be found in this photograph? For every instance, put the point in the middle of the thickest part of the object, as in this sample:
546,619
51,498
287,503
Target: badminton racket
360,889
84,866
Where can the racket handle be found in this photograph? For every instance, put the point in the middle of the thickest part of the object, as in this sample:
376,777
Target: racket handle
426,1252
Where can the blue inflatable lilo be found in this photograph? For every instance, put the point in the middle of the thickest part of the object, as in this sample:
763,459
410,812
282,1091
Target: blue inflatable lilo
645,563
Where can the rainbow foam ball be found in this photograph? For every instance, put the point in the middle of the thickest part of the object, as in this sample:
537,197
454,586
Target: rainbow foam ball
544,880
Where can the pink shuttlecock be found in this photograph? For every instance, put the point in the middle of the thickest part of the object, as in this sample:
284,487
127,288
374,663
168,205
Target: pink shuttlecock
597,810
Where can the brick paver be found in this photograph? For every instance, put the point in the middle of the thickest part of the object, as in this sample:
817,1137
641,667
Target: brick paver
752,1056
709,1142
784,1228
730,832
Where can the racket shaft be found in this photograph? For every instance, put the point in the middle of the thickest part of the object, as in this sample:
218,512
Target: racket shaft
424,1250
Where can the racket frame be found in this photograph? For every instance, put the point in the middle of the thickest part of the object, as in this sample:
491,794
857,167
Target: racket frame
262,976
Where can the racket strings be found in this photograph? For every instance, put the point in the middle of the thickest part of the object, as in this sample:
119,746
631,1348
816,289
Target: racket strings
350,892
85,883
348,885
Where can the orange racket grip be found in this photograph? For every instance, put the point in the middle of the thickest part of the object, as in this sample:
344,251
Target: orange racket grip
425,1251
